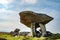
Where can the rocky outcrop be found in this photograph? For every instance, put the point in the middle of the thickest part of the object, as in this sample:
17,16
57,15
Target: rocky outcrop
15,32
35,20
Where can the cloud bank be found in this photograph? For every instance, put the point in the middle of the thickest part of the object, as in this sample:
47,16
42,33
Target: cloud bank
9,9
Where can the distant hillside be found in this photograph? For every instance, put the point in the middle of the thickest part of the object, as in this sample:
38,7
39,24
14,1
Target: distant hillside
4,33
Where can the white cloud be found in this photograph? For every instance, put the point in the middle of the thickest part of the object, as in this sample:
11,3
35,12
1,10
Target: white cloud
27,9
9,15
28,2
10,20
5,2
5,10
10,26
31,1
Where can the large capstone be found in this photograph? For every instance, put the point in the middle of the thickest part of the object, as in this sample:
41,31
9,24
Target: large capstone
28,17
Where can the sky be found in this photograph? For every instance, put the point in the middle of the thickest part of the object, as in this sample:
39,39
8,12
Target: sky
10,9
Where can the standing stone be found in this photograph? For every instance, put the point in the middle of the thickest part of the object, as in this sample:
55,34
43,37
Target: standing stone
43,29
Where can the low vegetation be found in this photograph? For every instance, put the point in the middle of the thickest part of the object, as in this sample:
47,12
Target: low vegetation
5,36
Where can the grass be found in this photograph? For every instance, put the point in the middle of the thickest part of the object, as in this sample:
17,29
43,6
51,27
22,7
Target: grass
9,37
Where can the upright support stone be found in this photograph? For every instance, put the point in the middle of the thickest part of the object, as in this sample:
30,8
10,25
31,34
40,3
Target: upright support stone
43,29
33,29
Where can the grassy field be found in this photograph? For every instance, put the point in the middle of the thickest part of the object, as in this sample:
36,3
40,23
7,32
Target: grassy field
9,37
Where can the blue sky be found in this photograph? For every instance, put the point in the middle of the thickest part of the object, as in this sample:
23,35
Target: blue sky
9,9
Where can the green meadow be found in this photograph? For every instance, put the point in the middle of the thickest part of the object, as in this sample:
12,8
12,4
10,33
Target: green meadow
10,37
